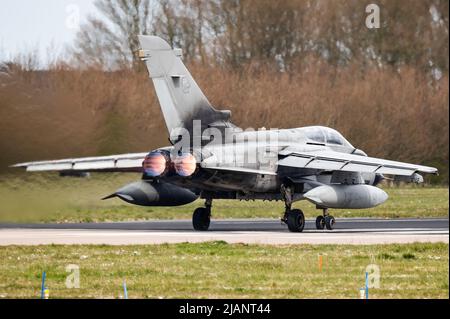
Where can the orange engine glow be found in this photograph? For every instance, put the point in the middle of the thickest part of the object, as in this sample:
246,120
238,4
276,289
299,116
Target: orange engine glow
185,164
155,164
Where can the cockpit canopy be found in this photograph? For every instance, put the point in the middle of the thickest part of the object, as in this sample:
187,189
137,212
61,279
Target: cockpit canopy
324,135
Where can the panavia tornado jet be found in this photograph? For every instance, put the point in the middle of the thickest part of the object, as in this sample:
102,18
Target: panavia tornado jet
211,158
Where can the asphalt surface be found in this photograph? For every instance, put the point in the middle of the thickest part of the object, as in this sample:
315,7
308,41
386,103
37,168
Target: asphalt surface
260,231
363,224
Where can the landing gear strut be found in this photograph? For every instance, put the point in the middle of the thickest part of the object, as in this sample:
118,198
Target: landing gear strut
202,216
326,220
293,218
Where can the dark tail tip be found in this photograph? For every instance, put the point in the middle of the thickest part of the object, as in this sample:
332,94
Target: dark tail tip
109,196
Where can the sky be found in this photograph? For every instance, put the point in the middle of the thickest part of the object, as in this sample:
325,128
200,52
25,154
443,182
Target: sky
27,25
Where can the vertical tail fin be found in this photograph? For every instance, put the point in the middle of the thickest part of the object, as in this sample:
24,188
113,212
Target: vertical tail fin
179,96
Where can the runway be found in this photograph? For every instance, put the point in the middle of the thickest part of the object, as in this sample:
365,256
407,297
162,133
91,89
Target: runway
249,231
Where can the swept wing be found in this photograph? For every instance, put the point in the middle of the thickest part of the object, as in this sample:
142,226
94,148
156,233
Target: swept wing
336,161
113,163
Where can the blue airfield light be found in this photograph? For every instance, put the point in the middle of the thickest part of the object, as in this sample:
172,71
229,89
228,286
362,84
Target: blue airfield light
43,286
125,292
367,285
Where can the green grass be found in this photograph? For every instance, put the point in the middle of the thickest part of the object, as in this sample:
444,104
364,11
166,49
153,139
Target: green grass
49,198
220,270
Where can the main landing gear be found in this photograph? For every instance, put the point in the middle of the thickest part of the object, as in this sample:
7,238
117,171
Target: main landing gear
293,218
202,216
326,220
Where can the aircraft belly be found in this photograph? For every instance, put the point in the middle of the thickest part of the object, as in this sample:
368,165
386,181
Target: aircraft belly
234,182
266,183
245,182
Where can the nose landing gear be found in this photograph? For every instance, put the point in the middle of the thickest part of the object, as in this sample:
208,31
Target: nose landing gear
326,220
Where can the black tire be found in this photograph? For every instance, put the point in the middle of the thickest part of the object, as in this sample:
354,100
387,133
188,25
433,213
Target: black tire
295,221
201,219
329,222
320,222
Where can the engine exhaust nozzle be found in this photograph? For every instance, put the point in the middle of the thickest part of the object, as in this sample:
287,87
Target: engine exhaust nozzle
185,164
156,163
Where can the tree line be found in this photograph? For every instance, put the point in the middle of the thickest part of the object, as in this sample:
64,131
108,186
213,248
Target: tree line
277,64
283,34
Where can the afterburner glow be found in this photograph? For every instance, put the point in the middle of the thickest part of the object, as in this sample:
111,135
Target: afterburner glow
185,164
155,164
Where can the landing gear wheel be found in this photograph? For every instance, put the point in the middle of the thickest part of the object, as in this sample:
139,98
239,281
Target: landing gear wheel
329,222
201,219
320,222
295,220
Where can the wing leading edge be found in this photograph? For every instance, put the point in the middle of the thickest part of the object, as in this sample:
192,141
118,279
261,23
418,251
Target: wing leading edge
113,163
336,161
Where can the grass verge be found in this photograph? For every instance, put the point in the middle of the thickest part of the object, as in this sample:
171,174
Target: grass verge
221,270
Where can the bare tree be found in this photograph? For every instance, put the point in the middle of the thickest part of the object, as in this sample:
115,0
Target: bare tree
183,24
110,41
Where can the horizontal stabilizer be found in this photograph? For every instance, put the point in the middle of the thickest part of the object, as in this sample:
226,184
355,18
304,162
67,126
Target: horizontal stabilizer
113,163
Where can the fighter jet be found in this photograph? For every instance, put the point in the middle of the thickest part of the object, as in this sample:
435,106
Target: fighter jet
211,158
